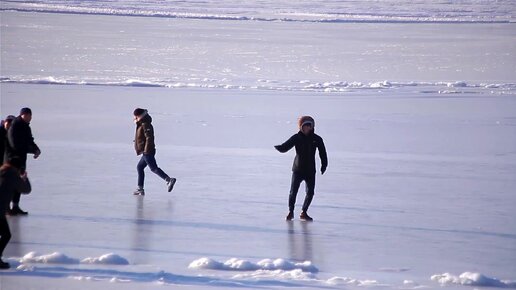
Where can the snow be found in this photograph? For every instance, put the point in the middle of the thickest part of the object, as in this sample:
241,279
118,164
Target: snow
473,279
235,264
418,118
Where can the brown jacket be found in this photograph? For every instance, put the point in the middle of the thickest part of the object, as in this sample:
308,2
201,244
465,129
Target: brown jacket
144,138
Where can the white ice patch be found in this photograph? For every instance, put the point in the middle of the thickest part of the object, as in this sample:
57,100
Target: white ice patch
54,258
235,264
107,259
472,279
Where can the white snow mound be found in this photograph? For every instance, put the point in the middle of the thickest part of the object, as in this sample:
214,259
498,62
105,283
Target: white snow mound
107,259
54,258
235,264
472,279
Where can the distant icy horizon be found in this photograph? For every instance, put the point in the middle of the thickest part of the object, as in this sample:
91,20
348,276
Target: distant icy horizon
389,11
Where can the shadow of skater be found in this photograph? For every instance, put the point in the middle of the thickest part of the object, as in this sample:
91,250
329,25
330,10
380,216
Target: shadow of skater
300,241
140,233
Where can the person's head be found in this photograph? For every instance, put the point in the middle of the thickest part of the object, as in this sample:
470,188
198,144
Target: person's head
139,113
7,122
26,114
306,125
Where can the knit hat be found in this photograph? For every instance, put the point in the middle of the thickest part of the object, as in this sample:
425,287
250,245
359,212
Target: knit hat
139,111
305,120
25,110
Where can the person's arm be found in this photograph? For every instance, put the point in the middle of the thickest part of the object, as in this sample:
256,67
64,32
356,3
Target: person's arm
149,138
322,155
291,142
32,148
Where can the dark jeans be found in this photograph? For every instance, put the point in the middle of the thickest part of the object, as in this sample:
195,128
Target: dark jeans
149,160
297,178
5,234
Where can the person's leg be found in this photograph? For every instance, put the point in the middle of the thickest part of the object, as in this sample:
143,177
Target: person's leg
310,191
17,195
151,161
294,188
141,171
5,235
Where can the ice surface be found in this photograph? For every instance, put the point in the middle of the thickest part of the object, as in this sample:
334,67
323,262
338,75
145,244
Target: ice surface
419,121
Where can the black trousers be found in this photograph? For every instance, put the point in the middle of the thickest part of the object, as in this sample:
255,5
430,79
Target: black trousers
297,178
5,234
17,195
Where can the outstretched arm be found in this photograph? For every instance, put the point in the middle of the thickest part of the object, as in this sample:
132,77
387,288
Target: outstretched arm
291,142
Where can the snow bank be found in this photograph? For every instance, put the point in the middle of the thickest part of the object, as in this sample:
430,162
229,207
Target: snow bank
235,264
60,258
472,279
297,274
270,85
107,259
54,258
337,281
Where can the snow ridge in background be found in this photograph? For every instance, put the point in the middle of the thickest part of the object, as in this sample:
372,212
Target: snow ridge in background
235,264
271,85
405,11
472,279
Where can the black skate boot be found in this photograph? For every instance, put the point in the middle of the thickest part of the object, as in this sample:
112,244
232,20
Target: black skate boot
18,211
139,191
4,265
304,216
290,216
170,184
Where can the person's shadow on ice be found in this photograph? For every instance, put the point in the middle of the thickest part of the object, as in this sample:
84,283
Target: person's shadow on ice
300,241
140,233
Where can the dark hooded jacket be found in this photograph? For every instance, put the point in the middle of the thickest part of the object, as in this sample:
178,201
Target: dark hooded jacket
3,143
10,182
144,138
20,139
304,162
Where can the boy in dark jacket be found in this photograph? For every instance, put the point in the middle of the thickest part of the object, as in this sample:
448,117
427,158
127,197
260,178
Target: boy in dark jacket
21,143
144,145
12,180
303,169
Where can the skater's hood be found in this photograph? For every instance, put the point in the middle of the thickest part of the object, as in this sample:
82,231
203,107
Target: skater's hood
144,118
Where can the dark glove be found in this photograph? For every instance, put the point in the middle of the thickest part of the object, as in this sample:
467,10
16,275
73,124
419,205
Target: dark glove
37,153
323,169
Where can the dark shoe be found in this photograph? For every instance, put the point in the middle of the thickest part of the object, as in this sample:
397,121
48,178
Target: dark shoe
304,216
4,265
139,191
10,212
290,216
18,211
170,184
